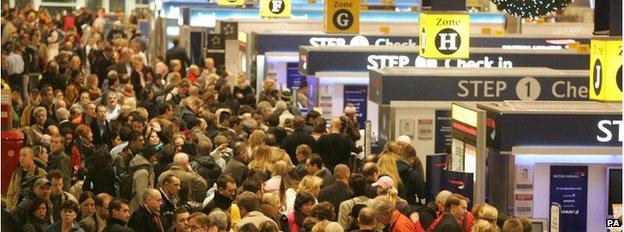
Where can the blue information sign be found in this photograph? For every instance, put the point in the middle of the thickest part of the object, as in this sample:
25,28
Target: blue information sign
568,188
293,77
357,95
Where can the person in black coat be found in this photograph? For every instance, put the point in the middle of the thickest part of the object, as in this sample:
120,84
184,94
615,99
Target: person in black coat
147,217
176,52
169,192
100,61
223,197
102,177
333,147
101,128
339,191
119,211
298,137
455,208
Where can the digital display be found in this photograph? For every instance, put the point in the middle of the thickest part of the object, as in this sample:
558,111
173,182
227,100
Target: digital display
470,158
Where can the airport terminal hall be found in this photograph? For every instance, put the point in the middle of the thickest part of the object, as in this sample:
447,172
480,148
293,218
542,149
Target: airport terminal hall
311,116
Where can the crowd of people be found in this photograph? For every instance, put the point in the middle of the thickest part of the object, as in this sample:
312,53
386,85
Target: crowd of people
114,141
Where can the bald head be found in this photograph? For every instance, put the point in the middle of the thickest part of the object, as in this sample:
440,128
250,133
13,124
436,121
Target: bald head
181,159
150,194
342,172
367,218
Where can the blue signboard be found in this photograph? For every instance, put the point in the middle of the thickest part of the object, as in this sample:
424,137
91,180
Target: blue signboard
459,182
436,164
293,78
442,130
568,188
357,95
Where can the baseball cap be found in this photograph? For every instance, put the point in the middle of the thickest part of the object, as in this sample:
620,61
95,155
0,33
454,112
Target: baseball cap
384,181
42,181
404,139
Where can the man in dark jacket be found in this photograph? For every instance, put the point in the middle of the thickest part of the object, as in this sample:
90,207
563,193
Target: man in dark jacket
101,128
98,220
223,197
333,147
298,137
435,208
236,167
169,193
59,160
147,217
456,207
414,191
176,52
100,61
339,191
119,211
314,165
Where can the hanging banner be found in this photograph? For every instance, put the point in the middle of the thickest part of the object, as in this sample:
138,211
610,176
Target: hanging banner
342,16
215,48
293,77
443,124
568,188
436,164
357,96
231,2
606,69
444,35
275,8
229,30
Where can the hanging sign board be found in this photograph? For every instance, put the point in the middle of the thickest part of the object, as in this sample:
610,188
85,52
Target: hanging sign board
606,69
342,16
444,35
275,8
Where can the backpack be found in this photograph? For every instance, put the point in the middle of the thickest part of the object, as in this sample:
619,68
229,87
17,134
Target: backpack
126,189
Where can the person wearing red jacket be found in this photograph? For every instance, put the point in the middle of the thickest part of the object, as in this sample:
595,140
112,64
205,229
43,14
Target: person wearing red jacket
389,216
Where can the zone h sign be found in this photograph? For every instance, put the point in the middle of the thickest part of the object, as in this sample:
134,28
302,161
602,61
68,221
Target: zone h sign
444,35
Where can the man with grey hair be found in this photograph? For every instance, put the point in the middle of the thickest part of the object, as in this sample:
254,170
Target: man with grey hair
389,216
147,217
62,116
183,170
281,109
220,219
429,213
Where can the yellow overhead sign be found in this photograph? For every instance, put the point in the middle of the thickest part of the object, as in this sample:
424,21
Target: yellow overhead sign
605,78
444,35
231,2
275,8
342,16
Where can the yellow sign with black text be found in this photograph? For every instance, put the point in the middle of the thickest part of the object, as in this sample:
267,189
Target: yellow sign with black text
342,16
444,35
605,78
275,8
231,2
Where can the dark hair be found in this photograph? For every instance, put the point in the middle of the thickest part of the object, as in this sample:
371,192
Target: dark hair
178,211
223,180
175,42
313,114
320,125
302,198
70,205
324,211
298,122
316,160
55,174
249,227
168,179
85,196
35,203
252,185
270,139
102,157
273,120
357,182
116,204
248,201
149,151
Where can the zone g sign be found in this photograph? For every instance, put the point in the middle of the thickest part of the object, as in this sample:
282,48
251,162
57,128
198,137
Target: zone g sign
605,77
342,16
444,35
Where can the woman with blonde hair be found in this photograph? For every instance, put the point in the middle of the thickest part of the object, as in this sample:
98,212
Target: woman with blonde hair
487,213
269,91
387,166
391,147
484,226
310,184
255,139
261,159
281,183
